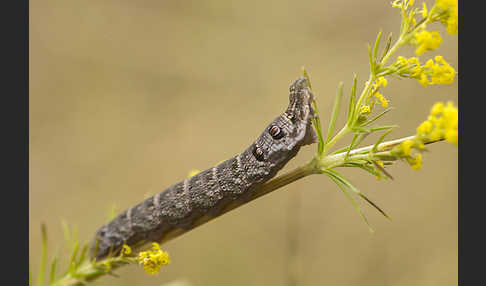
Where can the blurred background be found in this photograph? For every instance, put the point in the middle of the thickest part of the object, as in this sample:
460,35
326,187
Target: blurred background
126,97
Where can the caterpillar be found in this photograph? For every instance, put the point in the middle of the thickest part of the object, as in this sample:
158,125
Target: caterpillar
181,206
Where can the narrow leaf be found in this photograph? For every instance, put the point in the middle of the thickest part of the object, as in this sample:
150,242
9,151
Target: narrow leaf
374,205
72,262
316,121
67,232
352,101
42,267
370,55
351,146
387,47
335,112
354,189
361,129
382,137
81,257
377,117
382,170
361,137
353,202
373,129
375,48
52,275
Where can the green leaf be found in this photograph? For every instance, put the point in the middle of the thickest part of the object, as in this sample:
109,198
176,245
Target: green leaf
335,112
97,244
382,170
361,137
387,47
382,137
377,117
66,232
387,127
352,102
364,166
82,256
306,75
52,275
375,48
351,146
353,202
316,121
72,262
361,130
42,267
370,55
351,187
374,205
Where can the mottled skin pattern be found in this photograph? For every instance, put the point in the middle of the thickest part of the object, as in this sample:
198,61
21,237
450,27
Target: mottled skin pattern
206,193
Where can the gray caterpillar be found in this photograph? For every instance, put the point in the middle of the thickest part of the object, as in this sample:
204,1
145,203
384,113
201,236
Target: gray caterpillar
183,205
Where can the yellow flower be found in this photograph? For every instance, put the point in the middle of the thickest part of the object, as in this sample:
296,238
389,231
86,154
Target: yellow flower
402,3
407,147
153,259
424,128
417,68
381,98
426,41
416,163
423,80
402,61
447,10
424,10
126,250
437,108
438,72
192,173
382,81
441,72
365,109
379,162
442,123
452,22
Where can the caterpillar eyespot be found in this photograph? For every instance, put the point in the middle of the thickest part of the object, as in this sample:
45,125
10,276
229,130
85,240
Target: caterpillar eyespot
276,132
258,153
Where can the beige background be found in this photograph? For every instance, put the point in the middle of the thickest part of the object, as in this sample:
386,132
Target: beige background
127,96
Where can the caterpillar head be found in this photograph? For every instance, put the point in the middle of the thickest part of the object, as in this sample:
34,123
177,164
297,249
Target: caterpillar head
283,138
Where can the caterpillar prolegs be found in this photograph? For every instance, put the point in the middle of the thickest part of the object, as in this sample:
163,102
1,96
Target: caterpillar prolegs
204,195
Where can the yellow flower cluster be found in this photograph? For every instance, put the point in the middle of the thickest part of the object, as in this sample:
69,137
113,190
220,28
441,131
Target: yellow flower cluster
402,3
381,81
438,72
365,109
153,259
442,123
404,150
426,41
415,163
449,11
